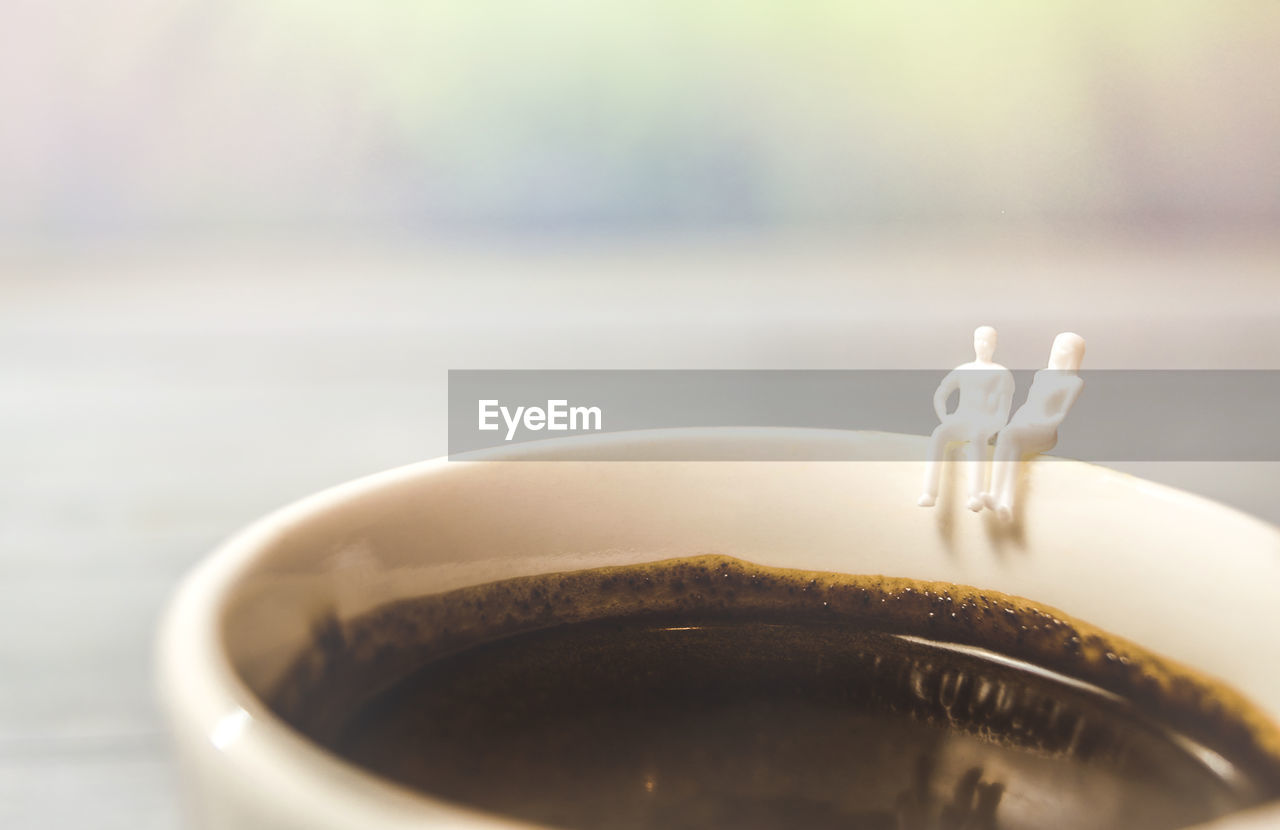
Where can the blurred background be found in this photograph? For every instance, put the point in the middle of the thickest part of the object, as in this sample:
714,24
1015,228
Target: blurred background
241,244
256,119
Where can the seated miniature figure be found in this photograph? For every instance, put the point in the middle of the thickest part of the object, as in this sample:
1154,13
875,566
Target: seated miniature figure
986,392
1034,427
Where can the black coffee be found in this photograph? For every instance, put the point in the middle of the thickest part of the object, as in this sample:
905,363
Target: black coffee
712,693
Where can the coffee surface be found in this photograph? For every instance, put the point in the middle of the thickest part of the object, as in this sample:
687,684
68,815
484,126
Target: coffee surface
711,693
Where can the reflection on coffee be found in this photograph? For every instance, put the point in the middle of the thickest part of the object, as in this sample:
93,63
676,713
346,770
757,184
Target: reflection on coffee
710,692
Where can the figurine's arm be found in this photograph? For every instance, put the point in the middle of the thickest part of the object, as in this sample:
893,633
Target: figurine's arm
1061,404
1066,402
949,384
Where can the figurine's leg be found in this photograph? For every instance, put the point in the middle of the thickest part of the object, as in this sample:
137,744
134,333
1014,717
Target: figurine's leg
993,487
999,467
1022,444
1008,458
976,454
944,434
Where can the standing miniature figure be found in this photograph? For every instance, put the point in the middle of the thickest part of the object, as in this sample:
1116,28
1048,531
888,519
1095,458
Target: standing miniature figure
986,391
1034,427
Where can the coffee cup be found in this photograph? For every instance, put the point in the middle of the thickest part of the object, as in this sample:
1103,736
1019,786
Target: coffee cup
1188,579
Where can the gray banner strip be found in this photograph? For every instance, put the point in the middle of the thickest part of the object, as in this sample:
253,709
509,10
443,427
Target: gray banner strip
1121,415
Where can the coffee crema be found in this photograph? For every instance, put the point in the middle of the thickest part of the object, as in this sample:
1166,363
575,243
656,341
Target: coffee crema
710,692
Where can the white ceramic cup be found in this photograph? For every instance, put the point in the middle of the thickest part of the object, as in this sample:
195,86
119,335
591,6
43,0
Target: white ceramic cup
1185,577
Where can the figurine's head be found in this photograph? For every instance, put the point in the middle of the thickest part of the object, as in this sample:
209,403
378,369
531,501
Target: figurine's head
984,343
1067,352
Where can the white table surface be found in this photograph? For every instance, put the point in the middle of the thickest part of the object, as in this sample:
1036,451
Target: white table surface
152,401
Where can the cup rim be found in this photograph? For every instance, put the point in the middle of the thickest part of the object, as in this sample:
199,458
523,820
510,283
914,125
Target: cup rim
204,698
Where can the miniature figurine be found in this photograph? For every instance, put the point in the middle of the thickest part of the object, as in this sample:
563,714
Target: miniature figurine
1034,427
986,391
